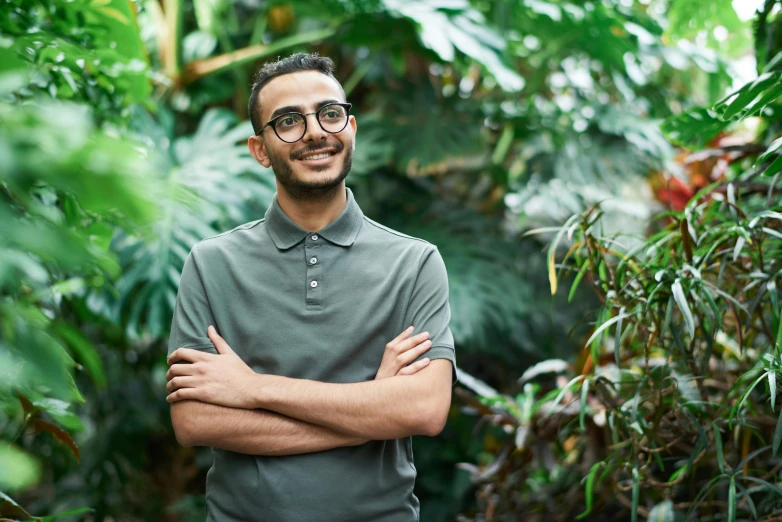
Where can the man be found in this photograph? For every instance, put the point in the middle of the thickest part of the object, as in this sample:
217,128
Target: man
309,394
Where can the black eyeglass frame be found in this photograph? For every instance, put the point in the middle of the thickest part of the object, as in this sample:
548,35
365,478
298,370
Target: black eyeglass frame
273,121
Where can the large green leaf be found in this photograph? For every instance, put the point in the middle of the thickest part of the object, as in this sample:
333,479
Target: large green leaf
447,25
426,135
693,128
213,185
18,470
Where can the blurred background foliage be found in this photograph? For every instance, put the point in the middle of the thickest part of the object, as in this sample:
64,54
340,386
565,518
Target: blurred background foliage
598,175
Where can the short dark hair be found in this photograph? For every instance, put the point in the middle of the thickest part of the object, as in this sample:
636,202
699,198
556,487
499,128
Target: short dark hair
293,63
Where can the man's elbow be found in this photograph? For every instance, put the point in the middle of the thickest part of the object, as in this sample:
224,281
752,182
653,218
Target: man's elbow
182,418
433,422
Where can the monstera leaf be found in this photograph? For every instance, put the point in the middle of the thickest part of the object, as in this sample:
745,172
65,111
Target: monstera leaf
448,25
422,130
214,185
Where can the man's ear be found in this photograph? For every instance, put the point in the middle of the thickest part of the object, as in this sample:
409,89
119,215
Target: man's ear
352,123
258,150
354,126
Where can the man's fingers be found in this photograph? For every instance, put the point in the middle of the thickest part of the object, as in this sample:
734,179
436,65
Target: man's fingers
188,355
413,368
405,358
219,342
181,394
412,342
401,336
180,382
180,369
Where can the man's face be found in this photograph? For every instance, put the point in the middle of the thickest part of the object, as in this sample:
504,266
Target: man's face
304,92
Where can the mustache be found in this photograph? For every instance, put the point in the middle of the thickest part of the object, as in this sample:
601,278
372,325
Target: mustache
338,146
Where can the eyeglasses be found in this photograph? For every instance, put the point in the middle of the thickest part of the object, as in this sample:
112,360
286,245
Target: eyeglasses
292,126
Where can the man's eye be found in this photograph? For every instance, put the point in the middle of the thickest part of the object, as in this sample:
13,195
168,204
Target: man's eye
332,114
287,122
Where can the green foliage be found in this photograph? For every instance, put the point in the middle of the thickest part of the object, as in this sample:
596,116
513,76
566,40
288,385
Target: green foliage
82,51
718,21
455,25
687,333
121,147
211,184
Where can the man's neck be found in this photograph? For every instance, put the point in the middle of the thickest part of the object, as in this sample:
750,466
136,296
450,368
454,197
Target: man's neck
313,214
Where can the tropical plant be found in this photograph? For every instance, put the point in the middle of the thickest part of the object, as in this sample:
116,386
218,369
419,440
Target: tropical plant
476,120
66,183
670,410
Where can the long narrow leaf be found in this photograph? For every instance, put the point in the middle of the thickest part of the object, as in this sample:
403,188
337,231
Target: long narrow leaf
577,280
732,500
778,434
607,324
564,390
636,494
718,442
582,411
589,488
552,250
681,300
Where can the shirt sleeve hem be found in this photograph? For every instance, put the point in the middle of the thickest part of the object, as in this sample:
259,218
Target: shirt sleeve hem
202,347
443,351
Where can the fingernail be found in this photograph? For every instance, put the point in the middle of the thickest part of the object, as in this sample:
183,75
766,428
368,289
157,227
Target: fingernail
426,360
211,327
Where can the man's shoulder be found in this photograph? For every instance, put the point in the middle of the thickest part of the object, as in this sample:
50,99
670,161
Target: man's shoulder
236,236
390,237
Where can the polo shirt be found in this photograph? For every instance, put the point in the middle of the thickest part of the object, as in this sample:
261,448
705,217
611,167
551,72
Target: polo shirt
316,305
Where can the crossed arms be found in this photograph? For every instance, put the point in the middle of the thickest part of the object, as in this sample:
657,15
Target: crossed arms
219,401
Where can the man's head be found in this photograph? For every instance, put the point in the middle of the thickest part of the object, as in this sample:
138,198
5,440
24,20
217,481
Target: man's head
301,83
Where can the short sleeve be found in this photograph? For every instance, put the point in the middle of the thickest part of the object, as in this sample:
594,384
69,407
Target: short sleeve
429,309
192,313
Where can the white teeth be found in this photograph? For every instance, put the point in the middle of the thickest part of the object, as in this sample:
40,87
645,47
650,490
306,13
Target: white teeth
318,156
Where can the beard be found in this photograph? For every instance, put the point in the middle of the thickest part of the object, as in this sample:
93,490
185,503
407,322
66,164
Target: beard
310,190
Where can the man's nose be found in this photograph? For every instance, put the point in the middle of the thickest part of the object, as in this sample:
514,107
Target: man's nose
314,131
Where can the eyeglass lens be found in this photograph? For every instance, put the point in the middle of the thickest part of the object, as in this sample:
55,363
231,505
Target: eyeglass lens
290,128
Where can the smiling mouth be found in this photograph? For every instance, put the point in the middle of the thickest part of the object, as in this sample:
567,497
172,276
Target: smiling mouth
320,155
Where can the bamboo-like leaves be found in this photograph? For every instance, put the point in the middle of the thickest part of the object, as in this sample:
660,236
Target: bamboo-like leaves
688,290
681,302
589,484
552,273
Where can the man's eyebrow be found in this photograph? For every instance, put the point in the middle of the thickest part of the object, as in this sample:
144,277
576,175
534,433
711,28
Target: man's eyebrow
283,110
297,108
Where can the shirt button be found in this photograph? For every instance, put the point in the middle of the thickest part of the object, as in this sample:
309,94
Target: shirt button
313,284
315,237
313,260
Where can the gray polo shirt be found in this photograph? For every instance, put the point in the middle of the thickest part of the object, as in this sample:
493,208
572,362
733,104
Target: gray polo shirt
321,306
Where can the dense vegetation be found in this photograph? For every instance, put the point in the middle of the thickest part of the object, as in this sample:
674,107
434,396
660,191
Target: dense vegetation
603,195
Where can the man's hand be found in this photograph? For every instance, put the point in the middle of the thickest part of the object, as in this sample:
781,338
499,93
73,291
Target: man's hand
400,351
223,379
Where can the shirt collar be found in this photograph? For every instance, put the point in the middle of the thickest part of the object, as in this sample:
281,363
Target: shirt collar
343,231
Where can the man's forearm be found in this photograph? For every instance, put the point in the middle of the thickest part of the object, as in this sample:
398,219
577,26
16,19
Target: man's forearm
379,410
254,432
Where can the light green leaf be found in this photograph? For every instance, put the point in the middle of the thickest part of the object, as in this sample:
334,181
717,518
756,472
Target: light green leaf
778,435
681,300
663,512
589,488
18,470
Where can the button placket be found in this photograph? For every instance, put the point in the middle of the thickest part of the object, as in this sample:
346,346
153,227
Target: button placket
312,258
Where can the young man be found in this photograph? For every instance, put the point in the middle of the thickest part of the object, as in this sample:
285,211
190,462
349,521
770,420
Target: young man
309,394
